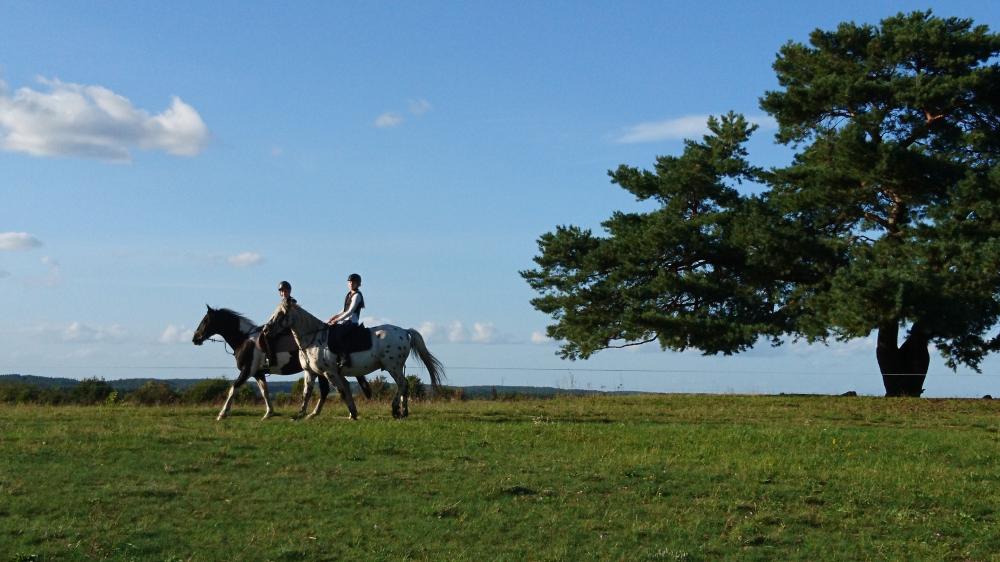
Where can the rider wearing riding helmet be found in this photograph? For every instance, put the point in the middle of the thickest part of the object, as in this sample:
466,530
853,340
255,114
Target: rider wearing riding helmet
347,318
353,303
285,290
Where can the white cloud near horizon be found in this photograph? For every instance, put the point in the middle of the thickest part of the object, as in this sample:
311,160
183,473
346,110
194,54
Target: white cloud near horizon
686,127
457,332
245,259
176,334
538,337
78,332
94,122
388,120
10,241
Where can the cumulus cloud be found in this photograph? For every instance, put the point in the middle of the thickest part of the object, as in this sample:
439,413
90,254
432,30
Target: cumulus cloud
686,127
94,122
388,120
18,241
176,334
457,332
245,259
483,332
78,332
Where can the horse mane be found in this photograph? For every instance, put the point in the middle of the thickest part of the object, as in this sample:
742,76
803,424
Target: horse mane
237,315
309,314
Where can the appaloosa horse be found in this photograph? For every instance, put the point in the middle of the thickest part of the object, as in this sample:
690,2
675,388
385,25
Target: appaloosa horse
391,345
242,335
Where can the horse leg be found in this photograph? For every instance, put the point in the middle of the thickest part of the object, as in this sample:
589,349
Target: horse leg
324,391
345,392
307,388
402,395
262,385
240,379
363,383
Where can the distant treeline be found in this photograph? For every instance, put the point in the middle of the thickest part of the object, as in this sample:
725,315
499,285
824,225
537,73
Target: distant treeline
29,389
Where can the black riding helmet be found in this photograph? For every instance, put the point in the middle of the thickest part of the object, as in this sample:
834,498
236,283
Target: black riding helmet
354,277
285,286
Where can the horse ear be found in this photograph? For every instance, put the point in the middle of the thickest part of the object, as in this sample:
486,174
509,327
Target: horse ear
208,307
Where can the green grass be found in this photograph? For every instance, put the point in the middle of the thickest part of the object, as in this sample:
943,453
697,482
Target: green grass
670,477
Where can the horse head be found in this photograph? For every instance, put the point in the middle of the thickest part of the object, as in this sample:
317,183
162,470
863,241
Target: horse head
282,318
206,328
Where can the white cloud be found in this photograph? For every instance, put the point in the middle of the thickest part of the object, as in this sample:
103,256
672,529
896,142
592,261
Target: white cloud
484,332
18,241
457,332
686,127
388,119
176,334
81,333
539,338
94,122
429,330
245,259
419,107
372,321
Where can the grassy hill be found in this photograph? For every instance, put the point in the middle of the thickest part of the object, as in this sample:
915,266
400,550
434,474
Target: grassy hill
641,477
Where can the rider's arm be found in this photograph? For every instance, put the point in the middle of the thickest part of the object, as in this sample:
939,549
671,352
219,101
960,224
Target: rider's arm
347,311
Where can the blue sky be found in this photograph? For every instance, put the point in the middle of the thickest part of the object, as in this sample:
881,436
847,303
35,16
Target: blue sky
155,157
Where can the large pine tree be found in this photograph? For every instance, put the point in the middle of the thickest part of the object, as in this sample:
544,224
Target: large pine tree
888,219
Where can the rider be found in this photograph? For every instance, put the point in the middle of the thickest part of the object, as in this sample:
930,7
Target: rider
353,303
285,290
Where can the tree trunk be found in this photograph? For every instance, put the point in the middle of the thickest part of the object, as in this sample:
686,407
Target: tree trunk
904,367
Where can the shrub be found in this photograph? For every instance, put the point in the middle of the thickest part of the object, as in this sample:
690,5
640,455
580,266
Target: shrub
417,387
207,391
18,393
153,393
91,391
298,387
381,389
451,393
248,393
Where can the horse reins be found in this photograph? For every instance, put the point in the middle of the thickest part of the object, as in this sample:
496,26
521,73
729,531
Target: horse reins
233,353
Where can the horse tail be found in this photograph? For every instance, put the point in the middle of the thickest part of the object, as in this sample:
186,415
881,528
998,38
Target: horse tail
434,367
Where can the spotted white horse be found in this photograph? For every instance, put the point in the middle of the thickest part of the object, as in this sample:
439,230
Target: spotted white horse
241,334
391,345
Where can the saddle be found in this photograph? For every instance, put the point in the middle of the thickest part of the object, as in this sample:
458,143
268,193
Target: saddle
272,345
348,338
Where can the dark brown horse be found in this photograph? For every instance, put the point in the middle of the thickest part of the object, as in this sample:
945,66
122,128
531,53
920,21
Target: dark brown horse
282,358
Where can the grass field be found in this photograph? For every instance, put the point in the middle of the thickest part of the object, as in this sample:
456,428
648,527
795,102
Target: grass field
670,477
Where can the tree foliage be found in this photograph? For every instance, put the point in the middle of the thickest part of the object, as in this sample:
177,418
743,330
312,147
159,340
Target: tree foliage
887,218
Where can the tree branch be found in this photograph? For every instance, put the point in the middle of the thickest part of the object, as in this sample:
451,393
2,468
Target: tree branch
624,345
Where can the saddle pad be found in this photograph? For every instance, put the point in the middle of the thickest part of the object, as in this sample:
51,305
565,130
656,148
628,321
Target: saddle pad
349,338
